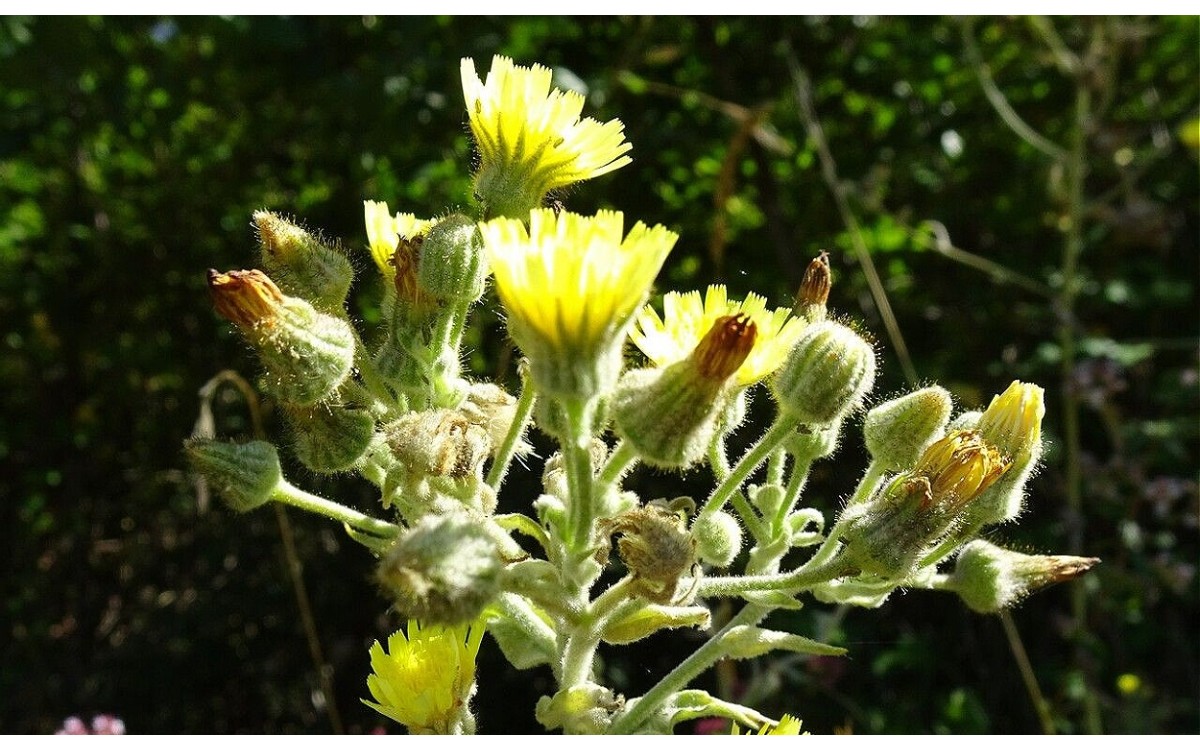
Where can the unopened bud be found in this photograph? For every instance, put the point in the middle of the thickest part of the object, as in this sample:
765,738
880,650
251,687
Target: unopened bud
492,408
451,264
1013,422
670,415
897,432
304,265
440,442
245,475
245,298
814,289
827,374
656,548
989,578
890,534
444,570
330,437
307,354
718,538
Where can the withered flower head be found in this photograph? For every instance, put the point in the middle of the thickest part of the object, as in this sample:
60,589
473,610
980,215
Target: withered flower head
247,298
959,467
817,281
725,347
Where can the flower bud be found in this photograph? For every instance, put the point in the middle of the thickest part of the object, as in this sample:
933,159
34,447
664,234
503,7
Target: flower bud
307,354
1013,423
245,475
890,534
440,442
826,375
671,414
989,578
328,437
718,538
492,408
444,570
814,290
656,548
303,265
451,265
897,432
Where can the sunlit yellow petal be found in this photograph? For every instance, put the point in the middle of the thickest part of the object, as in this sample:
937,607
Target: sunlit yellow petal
687,318
423,680
530,137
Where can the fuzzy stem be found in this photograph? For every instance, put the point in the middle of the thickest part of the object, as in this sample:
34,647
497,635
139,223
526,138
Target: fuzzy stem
802,578
292,495
507,449
577,457
623,457
750,461
579,652
703,658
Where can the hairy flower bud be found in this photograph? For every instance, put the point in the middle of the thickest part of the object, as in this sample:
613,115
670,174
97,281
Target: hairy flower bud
245,475
656,548
889,535
307,354
718,538
440,442
444,570
304,265
1013,423
989,578
671,414
330,437
897,432
814,290
451,264
826,375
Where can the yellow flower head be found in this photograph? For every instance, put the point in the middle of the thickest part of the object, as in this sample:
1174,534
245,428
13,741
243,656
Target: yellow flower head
571,283
787,724
687,318
531,139
959,467
424,680
1013,421
385,230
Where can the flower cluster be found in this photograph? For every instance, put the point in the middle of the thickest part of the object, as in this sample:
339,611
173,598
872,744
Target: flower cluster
437,443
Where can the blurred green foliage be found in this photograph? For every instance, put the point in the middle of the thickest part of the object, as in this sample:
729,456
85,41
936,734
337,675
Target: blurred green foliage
132,152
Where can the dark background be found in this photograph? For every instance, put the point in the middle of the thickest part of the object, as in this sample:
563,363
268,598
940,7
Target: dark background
132,152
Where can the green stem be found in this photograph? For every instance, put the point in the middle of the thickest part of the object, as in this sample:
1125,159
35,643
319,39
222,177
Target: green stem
802,578
579,652
717,459
867,485
772,439
577,457
507,449
292,495
623,457
703,658
795,486
776,465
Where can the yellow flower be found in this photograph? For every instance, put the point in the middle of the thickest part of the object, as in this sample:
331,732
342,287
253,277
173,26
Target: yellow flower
570,285
1013,421
424,680
959,467
687,318
531,139
787,724
385,230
